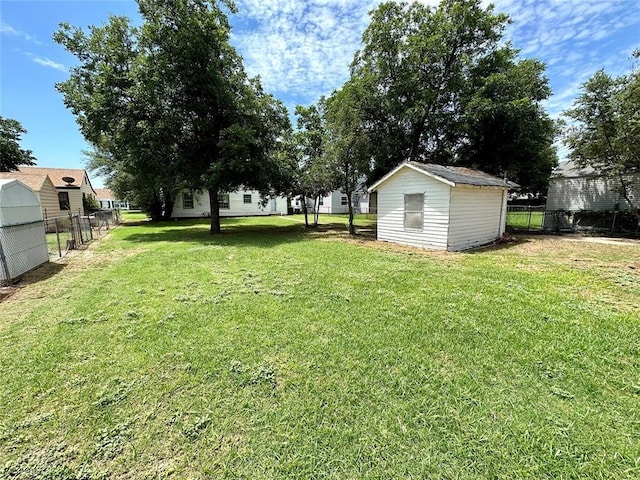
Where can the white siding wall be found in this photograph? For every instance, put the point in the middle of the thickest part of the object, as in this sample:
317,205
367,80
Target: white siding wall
332,203
436,210
477,216
588,193
237,207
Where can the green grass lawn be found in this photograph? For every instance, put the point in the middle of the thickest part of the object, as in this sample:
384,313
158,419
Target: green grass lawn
525,220
271,351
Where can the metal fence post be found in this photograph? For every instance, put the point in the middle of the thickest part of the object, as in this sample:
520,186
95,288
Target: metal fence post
55,222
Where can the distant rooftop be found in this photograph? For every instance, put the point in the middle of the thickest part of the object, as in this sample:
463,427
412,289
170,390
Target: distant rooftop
570,169
57,174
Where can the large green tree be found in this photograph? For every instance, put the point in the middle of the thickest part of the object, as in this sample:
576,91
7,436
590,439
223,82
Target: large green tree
171,103
431,78
12,155
605,130
347,151
311,174
507,132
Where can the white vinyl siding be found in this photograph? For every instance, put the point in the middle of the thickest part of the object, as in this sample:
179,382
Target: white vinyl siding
589,193
237,207
391,210
476,216
335,202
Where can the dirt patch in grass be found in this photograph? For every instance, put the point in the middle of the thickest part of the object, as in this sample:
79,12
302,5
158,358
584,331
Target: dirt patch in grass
34,283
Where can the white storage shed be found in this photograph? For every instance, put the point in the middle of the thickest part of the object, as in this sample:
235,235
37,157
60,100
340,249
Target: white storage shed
440,207
23,243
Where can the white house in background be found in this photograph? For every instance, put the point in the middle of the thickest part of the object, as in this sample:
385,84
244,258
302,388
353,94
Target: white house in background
242,203
108,201
438,207
572,188
73,186
336,202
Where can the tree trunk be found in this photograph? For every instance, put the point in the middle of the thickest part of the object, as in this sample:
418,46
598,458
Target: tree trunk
305,210
214,205
416,134
168,205
316,212
154,208
352,227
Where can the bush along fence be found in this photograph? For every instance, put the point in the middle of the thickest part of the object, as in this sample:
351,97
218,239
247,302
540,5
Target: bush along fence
71,231
596,221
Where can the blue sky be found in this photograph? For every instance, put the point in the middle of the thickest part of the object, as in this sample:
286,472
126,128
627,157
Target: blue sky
300,49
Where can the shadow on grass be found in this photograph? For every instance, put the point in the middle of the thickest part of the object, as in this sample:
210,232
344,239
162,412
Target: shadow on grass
239,232
235,232
517,242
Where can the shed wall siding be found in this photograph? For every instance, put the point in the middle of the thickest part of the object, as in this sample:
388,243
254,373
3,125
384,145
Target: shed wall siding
49,200
589,193
436,210
476,216
237,207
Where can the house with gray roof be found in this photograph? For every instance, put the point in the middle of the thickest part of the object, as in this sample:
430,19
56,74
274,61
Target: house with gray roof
440,207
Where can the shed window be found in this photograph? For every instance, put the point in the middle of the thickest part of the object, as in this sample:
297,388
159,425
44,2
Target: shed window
223,201
343,200
246,198
413,210
187,200
63,200
321,202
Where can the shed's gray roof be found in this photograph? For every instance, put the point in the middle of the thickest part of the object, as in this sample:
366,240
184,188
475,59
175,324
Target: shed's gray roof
451,175
464,175
570,169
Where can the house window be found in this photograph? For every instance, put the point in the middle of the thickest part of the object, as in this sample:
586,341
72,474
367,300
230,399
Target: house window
187,199
223,201
343,200
321,201
63,200
246,198
413,210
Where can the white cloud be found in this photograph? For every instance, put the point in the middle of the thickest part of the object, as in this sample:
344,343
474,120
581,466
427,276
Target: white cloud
46,62
9,30
303,49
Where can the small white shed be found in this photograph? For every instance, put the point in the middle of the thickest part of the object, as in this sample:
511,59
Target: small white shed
23,243
440,207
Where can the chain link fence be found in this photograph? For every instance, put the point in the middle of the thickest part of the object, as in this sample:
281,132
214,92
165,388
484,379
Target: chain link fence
72,231
525,218
22,248
592,221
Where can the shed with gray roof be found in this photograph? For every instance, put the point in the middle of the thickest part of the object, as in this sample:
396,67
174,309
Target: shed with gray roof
440,207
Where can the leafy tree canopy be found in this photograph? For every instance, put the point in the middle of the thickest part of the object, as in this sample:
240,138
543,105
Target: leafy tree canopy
605,129
11,154
171,104
438,87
